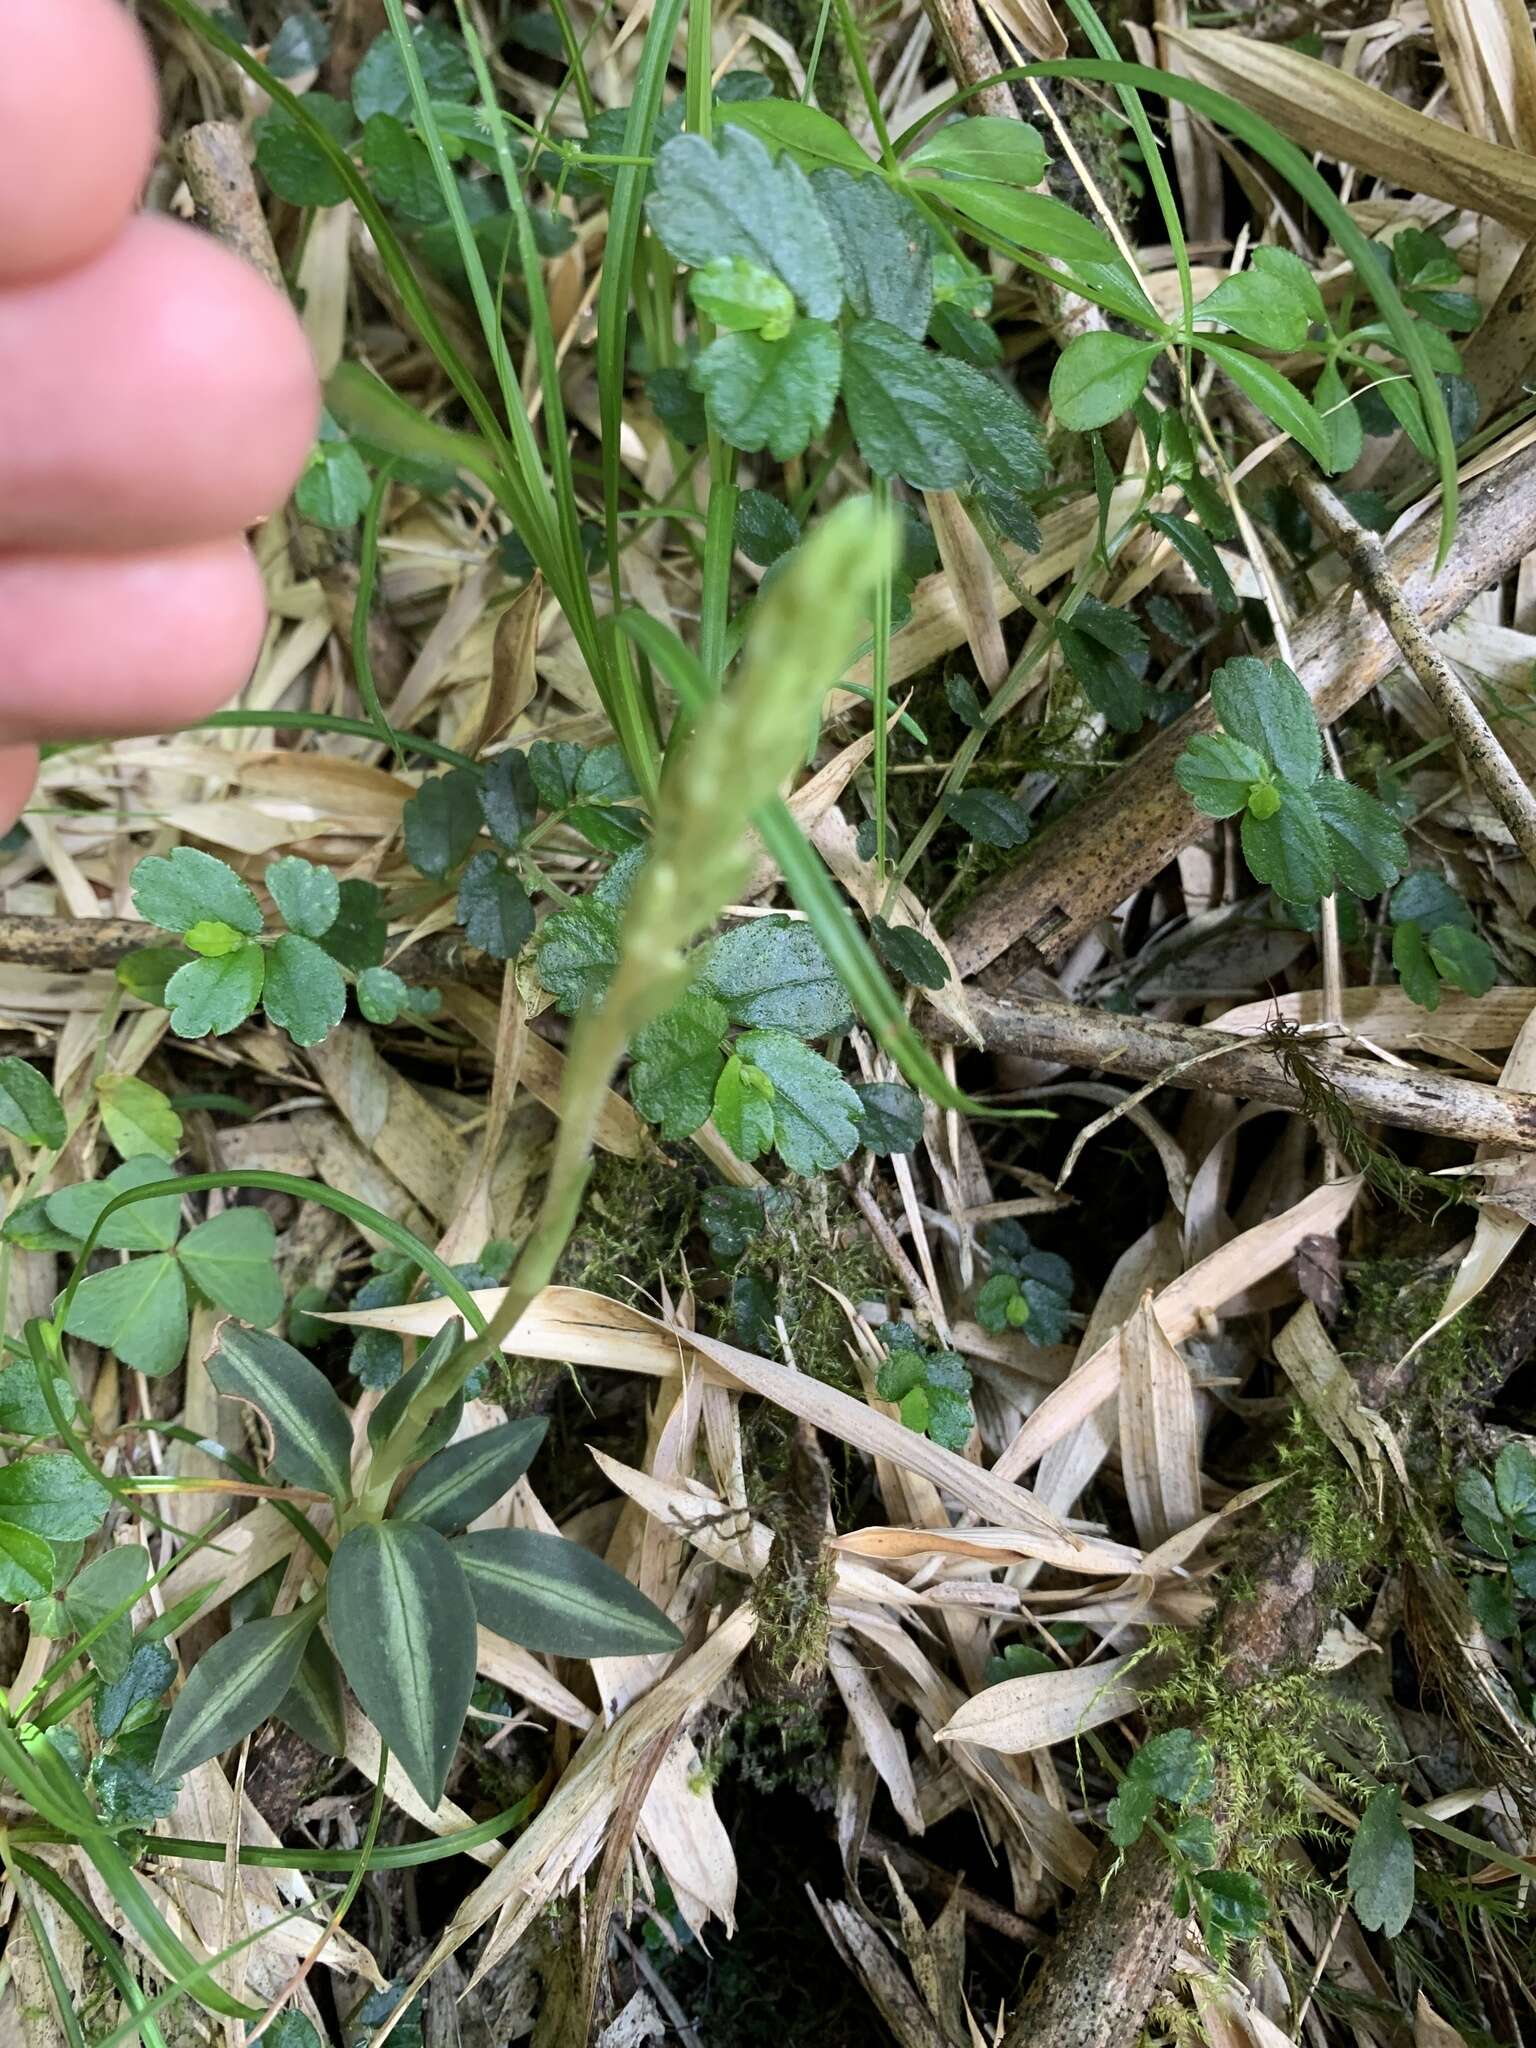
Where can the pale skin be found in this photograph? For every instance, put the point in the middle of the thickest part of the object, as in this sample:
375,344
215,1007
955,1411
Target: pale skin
157,399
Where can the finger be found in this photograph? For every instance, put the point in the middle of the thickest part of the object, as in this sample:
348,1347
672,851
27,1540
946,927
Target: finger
161,393
77,130
18,772
94,646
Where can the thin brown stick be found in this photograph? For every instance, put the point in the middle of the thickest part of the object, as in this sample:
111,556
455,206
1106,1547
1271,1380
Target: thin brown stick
1117,840
218,174
1408,1098
1366,560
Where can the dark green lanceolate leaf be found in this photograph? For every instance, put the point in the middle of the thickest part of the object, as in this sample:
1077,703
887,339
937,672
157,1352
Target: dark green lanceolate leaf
742,298
461,1482
893,1117
1368,850
934,421
403,1624
728,197
765,528
138,1311
216,995
128,1702
774,972
53,1496
148,1226
229,1259
577,951
28,1105
442,822
138,1118
1275,396
381,84
1289,849
815,1112
314,1706
385,1417
907,953
1288,268
1264,704
1262,307
678,1057
303,993
1381,1866
884,244
308,897
189,888
360,932
311,1435
1197,549
1107,651
552,1596
1099,376
985,146
743,1108
233,1688
988,815
292,162
494,908
776,395
509,797
1218,772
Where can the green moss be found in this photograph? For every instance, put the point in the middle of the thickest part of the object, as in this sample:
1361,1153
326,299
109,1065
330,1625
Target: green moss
1268,1736
1343,1527
822,1244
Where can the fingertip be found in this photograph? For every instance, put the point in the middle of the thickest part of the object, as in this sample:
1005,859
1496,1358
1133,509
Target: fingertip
18,773
100,646
78,117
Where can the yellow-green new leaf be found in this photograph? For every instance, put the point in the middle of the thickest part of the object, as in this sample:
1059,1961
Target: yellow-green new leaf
403,1624
233,1689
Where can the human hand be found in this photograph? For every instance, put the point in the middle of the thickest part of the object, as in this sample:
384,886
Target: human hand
156,398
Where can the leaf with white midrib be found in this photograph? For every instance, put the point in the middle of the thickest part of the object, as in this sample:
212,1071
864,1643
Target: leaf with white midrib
465,1479
550,1594
403,1625
233,1689
311,1433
